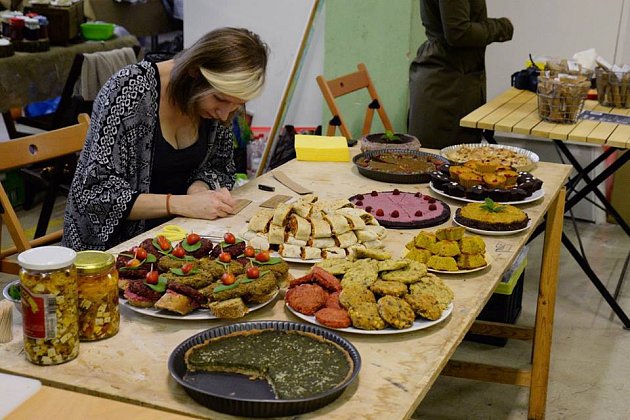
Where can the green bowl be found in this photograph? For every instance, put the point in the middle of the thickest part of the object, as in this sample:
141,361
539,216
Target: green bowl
97,31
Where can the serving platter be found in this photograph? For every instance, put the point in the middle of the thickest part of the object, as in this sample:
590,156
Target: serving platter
240,395
392,177
196,315
418,324
536,195
533,157
493,232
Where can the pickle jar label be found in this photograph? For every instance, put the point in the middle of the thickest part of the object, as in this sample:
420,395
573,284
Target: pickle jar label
39,313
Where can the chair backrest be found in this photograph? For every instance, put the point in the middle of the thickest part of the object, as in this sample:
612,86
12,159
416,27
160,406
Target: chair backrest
349,83
27,151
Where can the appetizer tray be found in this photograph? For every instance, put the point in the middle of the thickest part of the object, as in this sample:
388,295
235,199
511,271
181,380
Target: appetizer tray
481,151
196,315
418,324
406,176
239,395
536,195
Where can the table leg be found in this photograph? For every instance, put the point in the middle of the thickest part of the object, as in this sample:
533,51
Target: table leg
545,308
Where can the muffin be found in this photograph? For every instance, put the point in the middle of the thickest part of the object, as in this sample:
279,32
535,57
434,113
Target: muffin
494,180
510,177
418,254
470,179
488,166
445,248
470,261
472,164
442,263
425,240
456,171
472,244
454,233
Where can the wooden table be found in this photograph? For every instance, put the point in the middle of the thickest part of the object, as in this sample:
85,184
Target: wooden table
516,111
397,370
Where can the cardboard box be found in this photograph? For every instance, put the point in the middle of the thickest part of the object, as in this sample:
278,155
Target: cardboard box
63,22
620,198
321,148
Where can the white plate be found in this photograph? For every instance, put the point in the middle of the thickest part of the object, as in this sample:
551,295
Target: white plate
494,232
300,260
418,324
195,315
531,155
536,195
472,270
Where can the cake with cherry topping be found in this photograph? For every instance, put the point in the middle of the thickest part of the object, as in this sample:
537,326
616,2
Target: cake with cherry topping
403,210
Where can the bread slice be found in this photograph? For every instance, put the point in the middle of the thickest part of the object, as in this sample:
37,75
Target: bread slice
231,308
175,302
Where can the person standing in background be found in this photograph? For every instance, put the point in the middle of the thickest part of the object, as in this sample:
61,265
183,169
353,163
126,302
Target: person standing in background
447,79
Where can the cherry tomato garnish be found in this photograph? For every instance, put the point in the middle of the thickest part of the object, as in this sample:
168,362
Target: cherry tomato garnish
228,278
163,243
152,277
140,253
249,252
186,268
179,252
229,238
192,238
253,273
225,257
262,256
134,262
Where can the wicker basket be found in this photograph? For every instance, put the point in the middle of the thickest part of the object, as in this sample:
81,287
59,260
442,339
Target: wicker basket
613,89
560,100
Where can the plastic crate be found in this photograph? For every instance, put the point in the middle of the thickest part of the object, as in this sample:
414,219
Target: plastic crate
13,184
506,302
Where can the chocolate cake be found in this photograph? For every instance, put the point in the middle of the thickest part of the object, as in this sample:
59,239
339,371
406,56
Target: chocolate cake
404,210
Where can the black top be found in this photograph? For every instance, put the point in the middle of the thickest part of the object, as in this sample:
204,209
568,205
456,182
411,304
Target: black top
172,168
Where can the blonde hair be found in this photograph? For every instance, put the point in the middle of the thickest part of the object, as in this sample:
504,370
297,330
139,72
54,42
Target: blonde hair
232,61
243,85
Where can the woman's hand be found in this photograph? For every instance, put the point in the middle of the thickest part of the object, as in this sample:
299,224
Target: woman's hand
205,204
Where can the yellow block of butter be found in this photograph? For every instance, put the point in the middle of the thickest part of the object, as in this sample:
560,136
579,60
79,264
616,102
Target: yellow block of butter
321,148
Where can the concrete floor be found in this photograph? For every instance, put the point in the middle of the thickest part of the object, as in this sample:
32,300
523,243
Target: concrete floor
590,360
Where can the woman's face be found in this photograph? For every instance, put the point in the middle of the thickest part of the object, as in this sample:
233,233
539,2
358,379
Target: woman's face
219,106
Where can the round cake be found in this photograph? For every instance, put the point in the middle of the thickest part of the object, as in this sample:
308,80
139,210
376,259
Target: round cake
404,210
492,216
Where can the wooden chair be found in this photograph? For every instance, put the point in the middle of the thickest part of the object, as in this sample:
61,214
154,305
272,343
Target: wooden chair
27,151
343,85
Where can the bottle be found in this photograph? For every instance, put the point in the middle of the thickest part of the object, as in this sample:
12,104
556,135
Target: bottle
97,280
31,28
43,27
49,295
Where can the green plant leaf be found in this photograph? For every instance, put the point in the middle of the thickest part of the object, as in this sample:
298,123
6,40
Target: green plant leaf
185,258
179,272
191,248
160,287
272,261
493,207
15,292
150,258
224,287
225,244
390,136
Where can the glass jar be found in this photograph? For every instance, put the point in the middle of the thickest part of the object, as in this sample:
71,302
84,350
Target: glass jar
49,304
16,28
31,29
97,278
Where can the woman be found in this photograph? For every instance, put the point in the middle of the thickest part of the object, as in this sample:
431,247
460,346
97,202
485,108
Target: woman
447,79
159,144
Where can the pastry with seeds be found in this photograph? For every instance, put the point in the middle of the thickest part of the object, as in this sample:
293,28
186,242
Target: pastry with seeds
396,312
389,288
365,316
355,295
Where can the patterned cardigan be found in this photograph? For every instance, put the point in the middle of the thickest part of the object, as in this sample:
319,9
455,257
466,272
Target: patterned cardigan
117,159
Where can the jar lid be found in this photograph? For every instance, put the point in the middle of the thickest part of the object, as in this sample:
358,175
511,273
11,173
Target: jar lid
90,262
46,258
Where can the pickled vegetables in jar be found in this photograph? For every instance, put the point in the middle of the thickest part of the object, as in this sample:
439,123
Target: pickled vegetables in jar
99,316
49,304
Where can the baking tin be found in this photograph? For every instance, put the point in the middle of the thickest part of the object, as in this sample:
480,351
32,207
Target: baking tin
397,178
255,398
